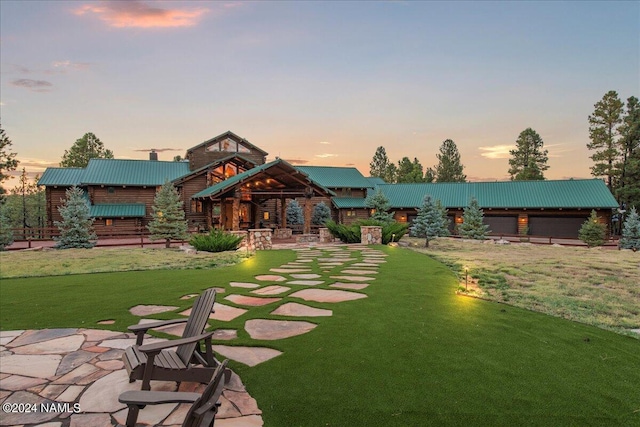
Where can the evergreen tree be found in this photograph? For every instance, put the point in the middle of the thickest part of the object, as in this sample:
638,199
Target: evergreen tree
529,160
8,160
592,231
449,168
168,215
76,227
628,190
444,232
381,167
472,226
85,148
429,175
380,204
418,171
6,235
405,170
295,216
321,214
429,222
603,124
631,231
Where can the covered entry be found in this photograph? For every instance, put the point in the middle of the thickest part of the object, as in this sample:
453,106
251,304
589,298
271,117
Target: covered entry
246,200
556,226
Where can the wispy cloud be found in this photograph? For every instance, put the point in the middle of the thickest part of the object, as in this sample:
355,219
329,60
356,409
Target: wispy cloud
558,150
138,14
496,151
296,161
326,155
33,85
37,164
325,143
71,65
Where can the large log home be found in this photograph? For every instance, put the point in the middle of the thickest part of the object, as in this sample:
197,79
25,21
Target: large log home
226,182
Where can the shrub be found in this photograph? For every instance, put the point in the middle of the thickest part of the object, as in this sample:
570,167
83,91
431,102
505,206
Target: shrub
215,241
351,233
592,231
295,215
321,214
6,235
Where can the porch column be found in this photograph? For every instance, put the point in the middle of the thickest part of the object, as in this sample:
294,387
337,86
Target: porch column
235,219
307,215
223,214
283,212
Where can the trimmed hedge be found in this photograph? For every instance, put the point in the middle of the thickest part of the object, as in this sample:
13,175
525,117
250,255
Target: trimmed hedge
351,233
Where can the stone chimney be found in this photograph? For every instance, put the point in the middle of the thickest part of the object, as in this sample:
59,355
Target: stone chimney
153,155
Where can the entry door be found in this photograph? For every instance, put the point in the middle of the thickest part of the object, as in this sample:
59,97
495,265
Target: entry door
228,216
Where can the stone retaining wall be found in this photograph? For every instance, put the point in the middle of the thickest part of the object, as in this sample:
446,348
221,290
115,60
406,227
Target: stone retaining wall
282,233
371,235
259,239
308,238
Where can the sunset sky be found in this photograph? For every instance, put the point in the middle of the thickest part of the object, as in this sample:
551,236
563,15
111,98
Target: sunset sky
318,83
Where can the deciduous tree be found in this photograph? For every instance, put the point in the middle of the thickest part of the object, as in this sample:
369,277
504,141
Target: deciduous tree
76,227
86,148
449,168
168,215
603,132
8,161
528,161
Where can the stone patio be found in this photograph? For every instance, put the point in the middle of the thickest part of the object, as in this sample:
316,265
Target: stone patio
84,367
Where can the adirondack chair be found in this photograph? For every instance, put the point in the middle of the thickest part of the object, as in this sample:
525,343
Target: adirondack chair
187,362
203,411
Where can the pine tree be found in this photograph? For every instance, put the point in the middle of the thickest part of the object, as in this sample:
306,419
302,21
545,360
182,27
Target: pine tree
168,215
444,232
295,215
592,231
631,231
76,227
6,235
381,167
321,214
529,160
628,190
429,175
380,204
472,226
8,160
449,168
84,149
429,222
603,125
409,171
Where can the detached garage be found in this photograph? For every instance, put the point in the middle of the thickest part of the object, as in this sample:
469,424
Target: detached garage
502,224
556,226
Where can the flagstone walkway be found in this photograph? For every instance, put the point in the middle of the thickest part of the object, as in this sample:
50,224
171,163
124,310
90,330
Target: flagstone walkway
83,367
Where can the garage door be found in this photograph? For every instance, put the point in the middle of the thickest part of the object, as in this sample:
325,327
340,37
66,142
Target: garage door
502,224
555,226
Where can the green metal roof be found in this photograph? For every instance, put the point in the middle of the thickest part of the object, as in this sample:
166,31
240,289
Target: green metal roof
375,180
336,177
231,181
132,172
64,177
587,193
117,210
349,202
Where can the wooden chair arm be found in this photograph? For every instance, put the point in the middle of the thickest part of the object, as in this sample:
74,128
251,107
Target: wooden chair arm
142,329
157,347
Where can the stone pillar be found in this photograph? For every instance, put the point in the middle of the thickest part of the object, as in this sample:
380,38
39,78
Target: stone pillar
325,235
235,218
243,234
307,216
371,235
259,239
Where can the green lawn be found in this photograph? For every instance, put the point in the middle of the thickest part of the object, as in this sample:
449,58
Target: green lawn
412,354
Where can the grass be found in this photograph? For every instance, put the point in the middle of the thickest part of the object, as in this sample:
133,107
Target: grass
412,353
50,262
593,286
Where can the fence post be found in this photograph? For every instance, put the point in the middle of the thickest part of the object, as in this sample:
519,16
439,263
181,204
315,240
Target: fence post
141,240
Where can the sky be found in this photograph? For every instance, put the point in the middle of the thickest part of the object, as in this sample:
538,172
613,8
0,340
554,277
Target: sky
315,83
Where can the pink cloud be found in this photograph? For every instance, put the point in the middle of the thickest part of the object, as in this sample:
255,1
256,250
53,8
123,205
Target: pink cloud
138,14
